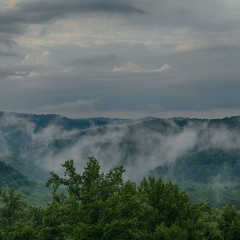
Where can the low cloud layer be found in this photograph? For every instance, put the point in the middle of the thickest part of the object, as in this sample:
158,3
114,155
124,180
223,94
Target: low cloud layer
136,146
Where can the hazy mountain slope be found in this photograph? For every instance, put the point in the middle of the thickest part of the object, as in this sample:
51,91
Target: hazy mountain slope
9,177
181,149
32,192
206,166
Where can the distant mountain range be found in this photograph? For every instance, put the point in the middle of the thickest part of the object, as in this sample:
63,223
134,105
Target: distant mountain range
178,149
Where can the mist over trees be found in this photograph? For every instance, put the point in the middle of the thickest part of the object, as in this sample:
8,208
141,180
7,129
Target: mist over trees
37,144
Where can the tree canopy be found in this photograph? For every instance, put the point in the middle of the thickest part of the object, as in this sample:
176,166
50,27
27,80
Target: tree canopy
97,205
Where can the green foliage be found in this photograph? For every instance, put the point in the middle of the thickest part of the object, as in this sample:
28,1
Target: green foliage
174,232
203,166
87,232
9,177
172,205
22,233
91,185
218,195
122,229
101,206
31,191
229,223
11,209
95,205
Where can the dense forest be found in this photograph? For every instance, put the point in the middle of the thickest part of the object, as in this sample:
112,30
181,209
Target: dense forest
95,205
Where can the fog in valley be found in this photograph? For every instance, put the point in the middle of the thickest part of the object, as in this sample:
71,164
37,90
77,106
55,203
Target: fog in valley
140,146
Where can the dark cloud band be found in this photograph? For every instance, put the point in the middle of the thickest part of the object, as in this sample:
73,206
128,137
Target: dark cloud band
16,20
44,11
4,73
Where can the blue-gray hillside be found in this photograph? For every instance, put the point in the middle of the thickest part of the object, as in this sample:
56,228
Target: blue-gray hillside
179,149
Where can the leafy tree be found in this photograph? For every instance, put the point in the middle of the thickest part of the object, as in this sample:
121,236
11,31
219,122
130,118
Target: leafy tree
229,223
22,233
172,206
125,214
14,222
86,193
91,185
12,207
174,232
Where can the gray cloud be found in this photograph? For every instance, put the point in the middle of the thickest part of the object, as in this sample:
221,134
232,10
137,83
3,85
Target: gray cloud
209,49
9,54
4,73
69,106
94,60
130,67
58,8
168,56
14,20
206,16
6,39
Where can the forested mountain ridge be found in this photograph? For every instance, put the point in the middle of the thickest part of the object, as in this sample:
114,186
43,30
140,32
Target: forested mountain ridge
205,166
179,149
41,121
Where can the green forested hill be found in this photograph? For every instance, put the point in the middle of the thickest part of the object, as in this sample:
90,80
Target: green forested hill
32,192
206,166
211,175
9,177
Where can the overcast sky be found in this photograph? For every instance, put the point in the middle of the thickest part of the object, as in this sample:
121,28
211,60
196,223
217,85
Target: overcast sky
127,59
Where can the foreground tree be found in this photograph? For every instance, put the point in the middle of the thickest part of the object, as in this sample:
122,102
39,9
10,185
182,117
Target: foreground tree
12,207
101,206
84,202
95,205
13,221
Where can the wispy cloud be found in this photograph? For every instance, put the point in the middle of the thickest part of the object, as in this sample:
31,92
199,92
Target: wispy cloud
69,106
131,67
137,146
45,59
